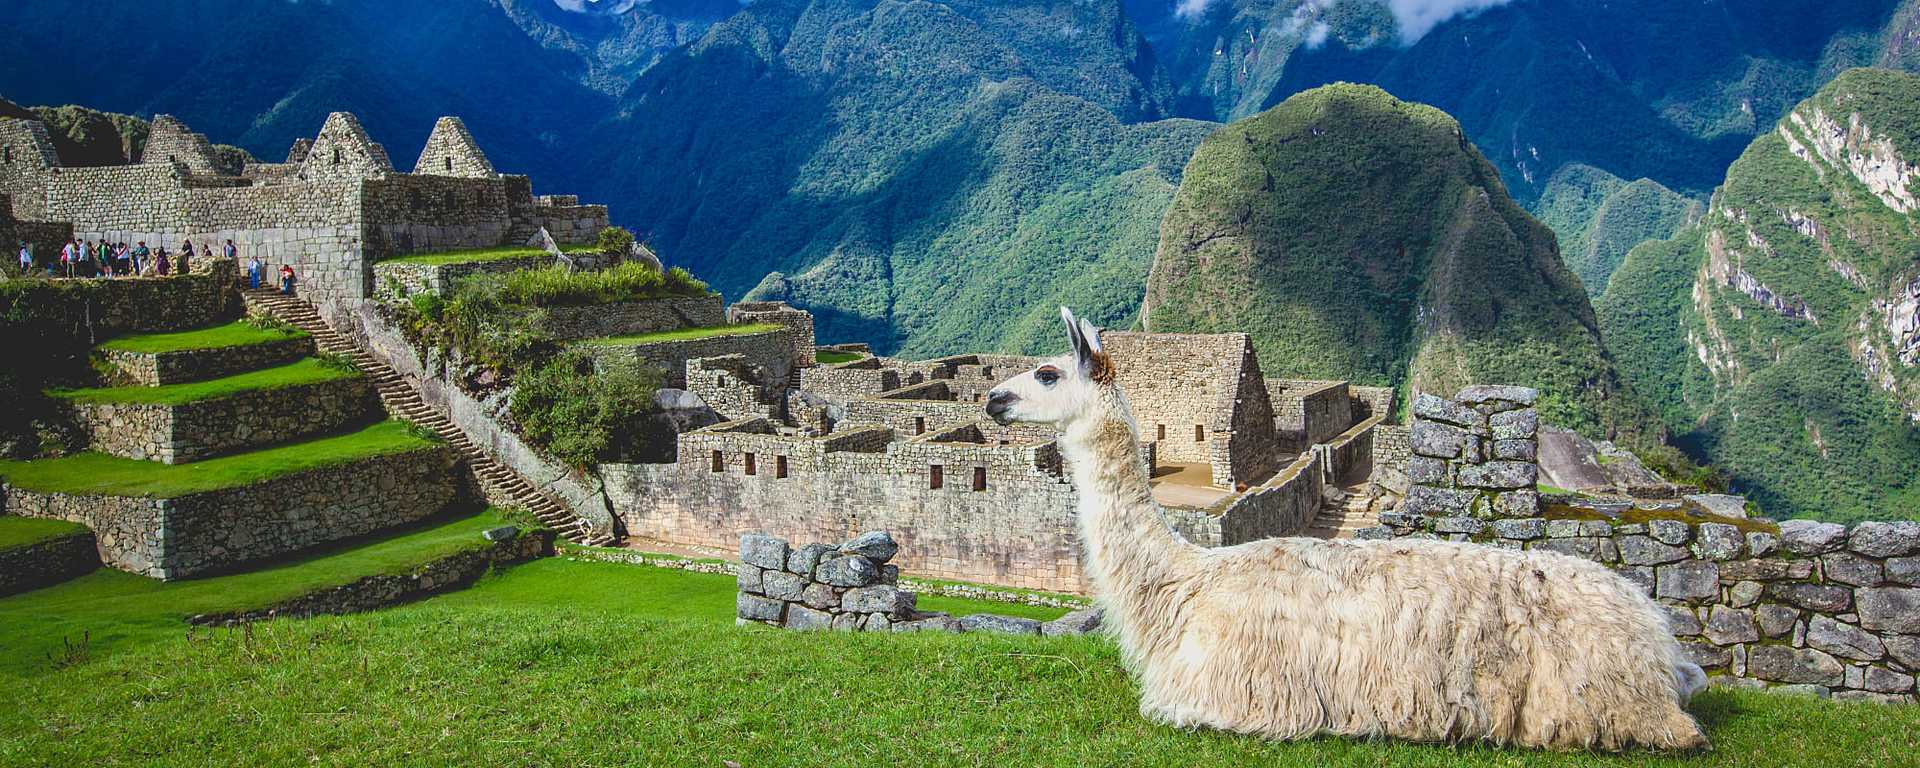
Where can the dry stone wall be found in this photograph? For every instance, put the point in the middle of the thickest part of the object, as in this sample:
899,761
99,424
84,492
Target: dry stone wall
769,351
413,279
1475,455
799,325
47,562
178,537
632,317
150,369
1311,411
1283,506
133,305
175,434
1202,399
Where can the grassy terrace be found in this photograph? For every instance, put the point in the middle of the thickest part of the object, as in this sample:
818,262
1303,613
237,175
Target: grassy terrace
443,258
308,371
835,358
238,333
22,531
120,610
683,334
579,663
98,473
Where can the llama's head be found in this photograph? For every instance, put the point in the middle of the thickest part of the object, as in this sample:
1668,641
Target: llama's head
1062,389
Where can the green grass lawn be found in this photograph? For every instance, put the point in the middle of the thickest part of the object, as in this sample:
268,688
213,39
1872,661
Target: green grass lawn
118,611
309,371
682,334
16,531
98,473
835,358
579,663
238,333
443,258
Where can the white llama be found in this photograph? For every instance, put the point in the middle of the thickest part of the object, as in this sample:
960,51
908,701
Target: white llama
1285,638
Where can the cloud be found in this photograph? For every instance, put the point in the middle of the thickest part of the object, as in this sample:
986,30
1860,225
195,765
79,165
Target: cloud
597,7
1190,9
1418,17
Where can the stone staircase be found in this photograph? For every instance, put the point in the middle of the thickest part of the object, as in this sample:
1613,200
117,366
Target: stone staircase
400,399
1340,520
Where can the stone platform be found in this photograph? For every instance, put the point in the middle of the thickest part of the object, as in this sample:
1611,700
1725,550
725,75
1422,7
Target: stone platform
184,432
156,369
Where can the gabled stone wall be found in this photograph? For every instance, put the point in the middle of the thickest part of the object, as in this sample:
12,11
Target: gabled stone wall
1205,392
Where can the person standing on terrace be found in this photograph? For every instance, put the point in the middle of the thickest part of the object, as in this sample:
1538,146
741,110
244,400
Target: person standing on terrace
255,271
141,258
26,258
161,264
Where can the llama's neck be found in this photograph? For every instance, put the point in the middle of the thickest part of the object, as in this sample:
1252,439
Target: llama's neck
1130,548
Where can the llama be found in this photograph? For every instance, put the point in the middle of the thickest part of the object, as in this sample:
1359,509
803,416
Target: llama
1290,637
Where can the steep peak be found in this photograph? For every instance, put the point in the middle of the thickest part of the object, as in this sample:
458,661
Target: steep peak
451,151
343,150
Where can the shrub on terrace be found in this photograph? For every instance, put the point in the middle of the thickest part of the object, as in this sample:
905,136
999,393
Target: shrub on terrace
582,417
556,286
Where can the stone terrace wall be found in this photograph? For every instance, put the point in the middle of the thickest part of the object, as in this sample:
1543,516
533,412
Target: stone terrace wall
439,278
841,383
595,321
47,562
822,586
1475,455
414,214
799,325
1283,506
130,305
209,532
1810,606
174,434
158,369
770,351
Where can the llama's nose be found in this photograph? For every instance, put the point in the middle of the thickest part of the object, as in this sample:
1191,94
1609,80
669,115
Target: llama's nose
998,401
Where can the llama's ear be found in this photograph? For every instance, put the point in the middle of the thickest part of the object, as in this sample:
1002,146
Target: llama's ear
1087,351
1091,335
1074,338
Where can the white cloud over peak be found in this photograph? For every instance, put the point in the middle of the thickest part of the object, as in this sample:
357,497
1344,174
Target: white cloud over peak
1418,17
597,7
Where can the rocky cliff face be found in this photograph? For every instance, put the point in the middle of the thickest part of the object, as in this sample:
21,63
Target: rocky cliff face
1780,331
1361,237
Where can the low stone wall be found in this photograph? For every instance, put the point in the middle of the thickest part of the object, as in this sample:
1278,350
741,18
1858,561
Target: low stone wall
1283,506
1310,411
623,318
106,308
1391,447
374,592
175,434
768,350
173,538
1349,455
413,279
149,369
48,562
798,323
1372,401
1474,455
1809,606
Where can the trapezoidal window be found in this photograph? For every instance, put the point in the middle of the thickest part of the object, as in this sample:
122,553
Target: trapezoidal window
979,478
779,466
751,469
1162,433
933,477
719,462
7,153
1199,433
448,161
336,155
919,425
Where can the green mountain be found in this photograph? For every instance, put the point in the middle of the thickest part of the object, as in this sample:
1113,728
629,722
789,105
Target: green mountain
1361,237
1780,336
1599,217
933,178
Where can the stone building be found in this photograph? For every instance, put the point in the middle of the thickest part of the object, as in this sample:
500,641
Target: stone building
1202,399
336,206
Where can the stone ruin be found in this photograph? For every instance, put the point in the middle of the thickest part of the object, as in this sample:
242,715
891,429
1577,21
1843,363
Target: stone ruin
851,587
1475,455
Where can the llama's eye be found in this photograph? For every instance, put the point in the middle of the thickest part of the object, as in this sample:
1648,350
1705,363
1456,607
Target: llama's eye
1046,376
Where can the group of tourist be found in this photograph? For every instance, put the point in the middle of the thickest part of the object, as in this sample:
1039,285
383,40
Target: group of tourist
81,258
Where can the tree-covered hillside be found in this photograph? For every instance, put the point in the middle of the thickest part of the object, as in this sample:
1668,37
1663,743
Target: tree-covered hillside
933,178
1781,334
1599,217
1361,237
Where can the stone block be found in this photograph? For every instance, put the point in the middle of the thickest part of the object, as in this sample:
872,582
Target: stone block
1681,621
757,608
1776,620
1597,549
1643,550
847,622
781,585
1813,597
879,598
1780,664
1718,541
1478,394
1079,622
993,622
1374,533
763,551
1890,609
1639,575
1515,450
934,623
1669,531
1767,569
1707,655
1726,626
1843,640
1466,525
1849,568
1744,594
1437,440
1809,537
1807,690
1693,580
1516,426
876,622
877,546
1499,475
1521,503
820,597
1718,504
1761,543
1436,408
1524,529
1425,470
747,576
803,560
1885,539
1904,570
807,619
1905,650
1883,680
847,571
1437,502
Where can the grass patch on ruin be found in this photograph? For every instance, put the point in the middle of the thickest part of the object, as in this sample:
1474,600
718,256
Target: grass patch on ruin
113,609
682,334
238,333
471,255
98,473
18,531
579,663
312,370
833,357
